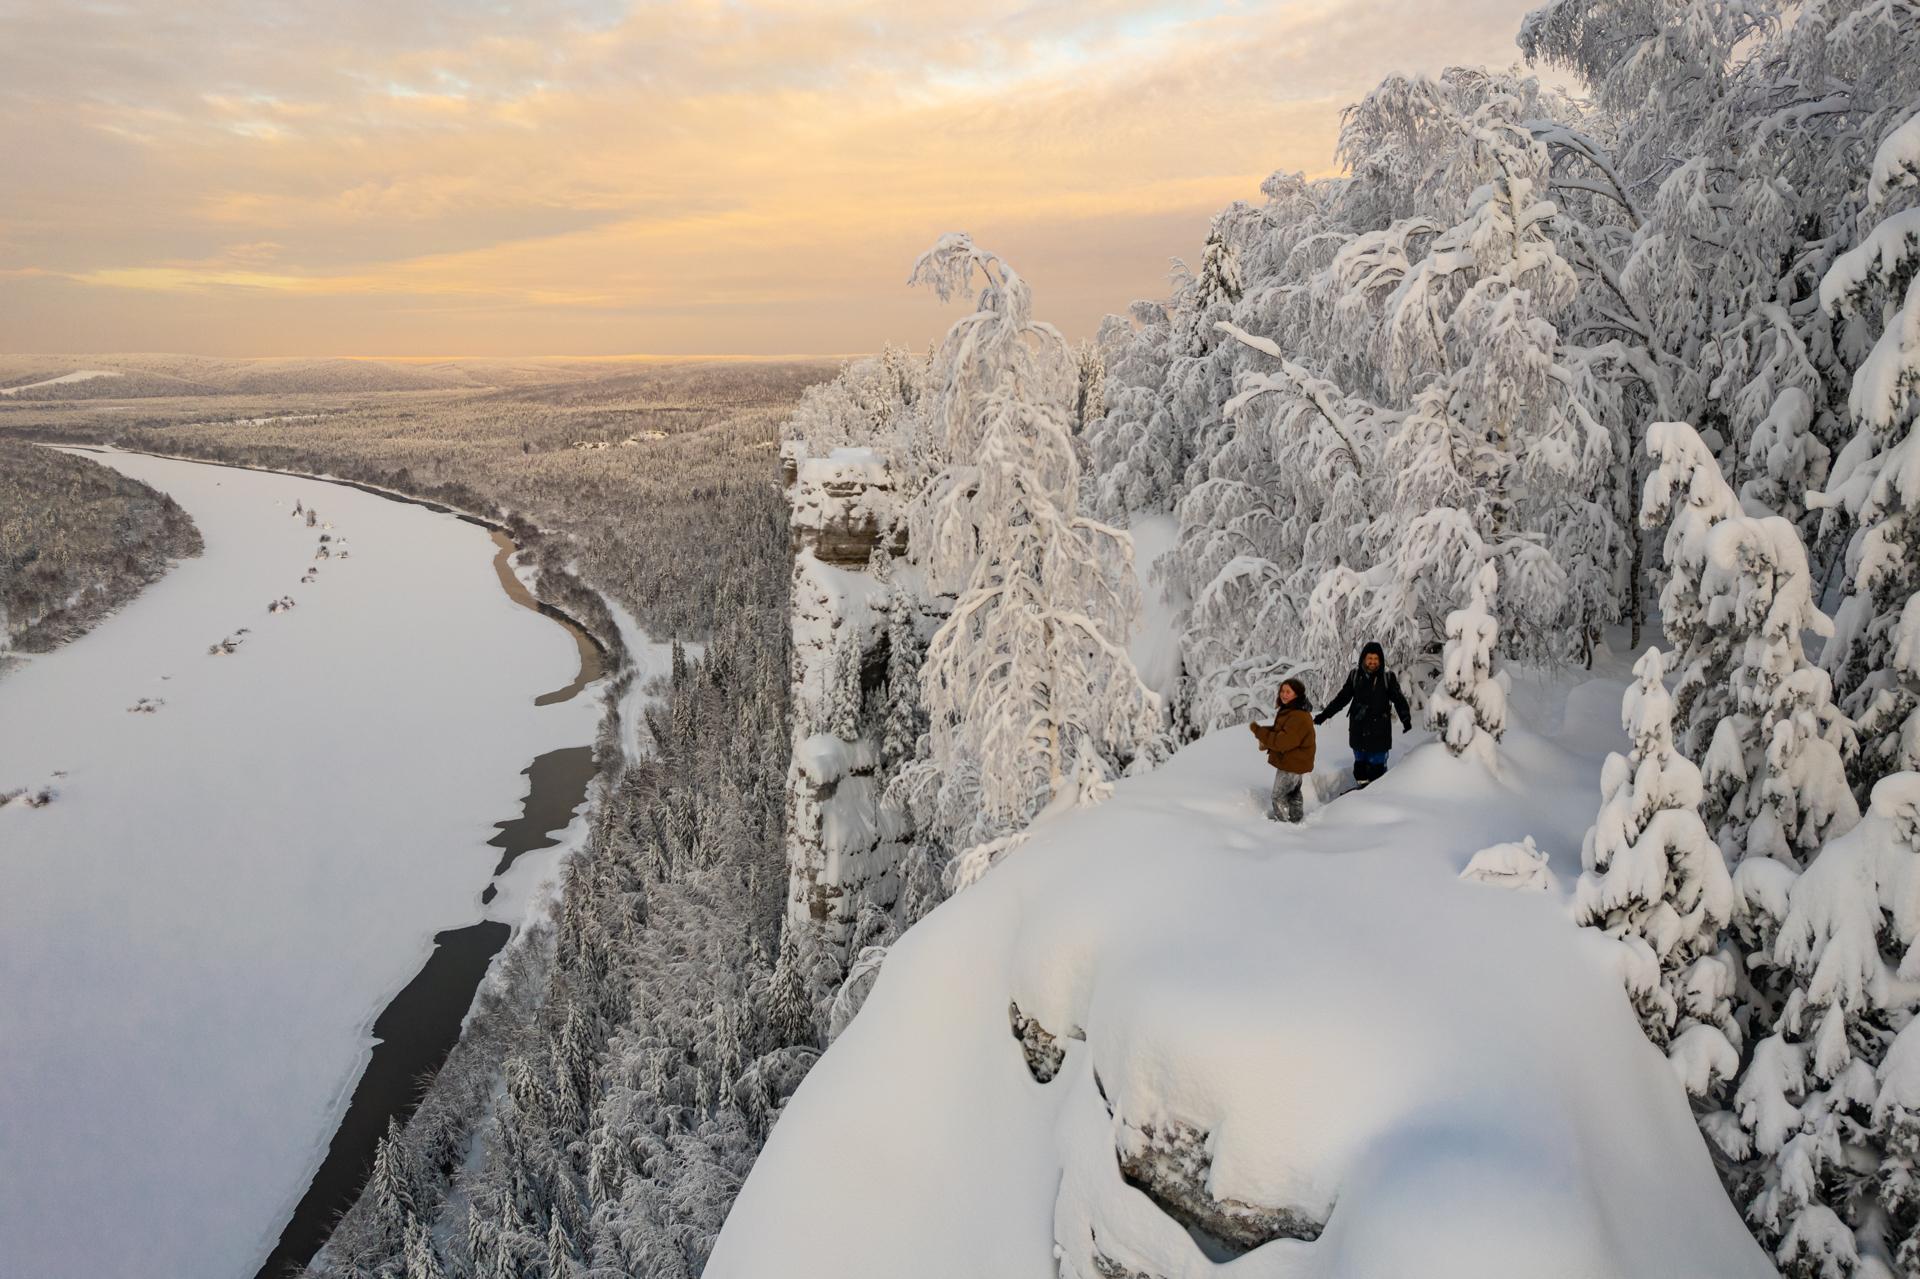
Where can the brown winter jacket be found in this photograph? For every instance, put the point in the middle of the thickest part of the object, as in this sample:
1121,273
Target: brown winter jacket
1288,741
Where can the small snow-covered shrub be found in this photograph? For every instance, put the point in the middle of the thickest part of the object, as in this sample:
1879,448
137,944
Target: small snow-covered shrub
1470,709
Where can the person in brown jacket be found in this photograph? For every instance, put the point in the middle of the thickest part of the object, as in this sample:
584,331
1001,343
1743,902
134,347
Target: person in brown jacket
1288,742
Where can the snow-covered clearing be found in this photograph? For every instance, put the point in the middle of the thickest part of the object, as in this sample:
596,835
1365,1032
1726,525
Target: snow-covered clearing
196,934
1447,1074
78,375
649,659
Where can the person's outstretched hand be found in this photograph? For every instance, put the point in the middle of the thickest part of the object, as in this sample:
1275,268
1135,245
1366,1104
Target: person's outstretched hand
1319,719
1406,725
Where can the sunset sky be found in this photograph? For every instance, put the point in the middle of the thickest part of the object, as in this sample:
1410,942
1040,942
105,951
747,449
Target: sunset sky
438,177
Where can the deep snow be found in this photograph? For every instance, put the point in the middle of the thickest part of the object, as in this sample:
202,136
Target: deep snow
1451,1068
196,935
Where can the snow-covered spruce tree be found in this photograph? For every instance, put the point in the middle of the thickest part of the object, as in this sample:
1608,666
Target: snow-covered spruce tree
789,1009
1874,655
1654,879
1759,717
1687,494
1469,710
1218,286
905,719
1827,1100
421,1260
1030,665
1775,766
1090,396
843,702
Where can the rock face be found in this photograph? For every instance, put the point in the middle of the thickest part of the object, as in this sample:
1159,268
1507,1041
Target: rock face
1039,1046
844,843
841,507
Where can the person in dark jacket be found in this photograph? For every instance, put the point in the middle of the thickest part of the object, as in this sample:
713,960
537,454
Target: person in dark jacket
1288,742
1373,693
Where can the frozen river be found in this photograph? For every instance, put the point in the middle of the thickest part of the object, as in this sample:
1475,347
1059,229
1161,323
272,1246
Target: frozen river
198,933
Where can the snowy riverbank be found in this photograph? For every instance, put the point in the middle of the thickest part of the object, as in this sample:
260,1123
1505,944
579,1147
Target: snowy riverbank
225,891
1324,1023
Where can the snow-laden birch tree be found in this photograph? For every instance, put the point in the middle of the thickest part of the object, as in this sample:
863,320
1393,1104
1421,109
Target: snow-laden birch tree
1029,671
1498,459
1284,501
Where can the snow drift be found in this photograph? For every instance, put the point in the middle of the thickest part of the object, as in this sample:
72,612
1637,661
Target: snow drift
1313,1051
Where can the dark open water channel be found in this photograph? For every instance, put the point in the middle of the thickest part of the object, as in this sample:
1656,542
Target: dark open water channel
419,1027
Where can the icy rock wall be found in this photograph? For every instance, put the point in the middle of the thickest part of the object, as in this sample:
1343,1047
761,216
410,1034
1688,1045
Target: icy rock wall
844,843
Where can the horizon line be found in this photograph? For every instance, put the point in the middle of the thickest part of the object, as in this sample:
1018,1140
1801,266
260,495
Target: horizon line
426,359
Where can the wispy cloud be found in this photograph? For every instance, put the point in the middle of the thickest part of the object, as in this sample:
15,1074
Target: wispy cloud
586,175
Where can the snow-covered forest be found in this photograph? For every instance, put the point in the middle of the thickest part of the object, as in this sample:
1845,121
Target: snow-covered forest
1552,380
659,966
928,908
76,541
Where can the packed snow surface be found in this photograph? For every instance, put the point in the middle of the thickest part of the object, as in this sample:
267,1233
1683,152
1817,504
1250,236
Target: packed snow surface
198,931
78,375
1444,1074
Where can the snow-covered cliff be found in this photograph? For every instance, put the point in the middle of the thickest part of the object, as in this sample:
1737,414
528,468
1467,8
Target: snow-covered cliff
843,842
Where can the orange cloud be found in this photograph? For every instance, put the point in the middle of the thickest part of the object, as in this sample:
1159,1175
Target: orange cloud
587,175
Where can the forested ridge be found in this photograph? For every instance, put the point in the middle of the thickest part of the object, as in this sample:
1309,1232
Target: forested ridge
76,541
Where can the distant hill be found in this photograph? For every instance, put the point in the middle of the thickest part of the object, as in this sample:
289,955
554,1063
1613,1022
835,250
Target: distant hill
35,378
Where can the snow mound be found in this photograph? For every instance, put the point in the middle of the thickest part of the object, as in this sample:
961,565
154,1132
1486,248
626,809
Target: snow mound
1518,866
1311,1050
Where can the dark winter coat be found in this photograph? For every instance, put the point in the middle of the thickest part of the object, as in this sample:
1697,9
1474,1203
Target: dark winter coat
1375,699
1288,741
